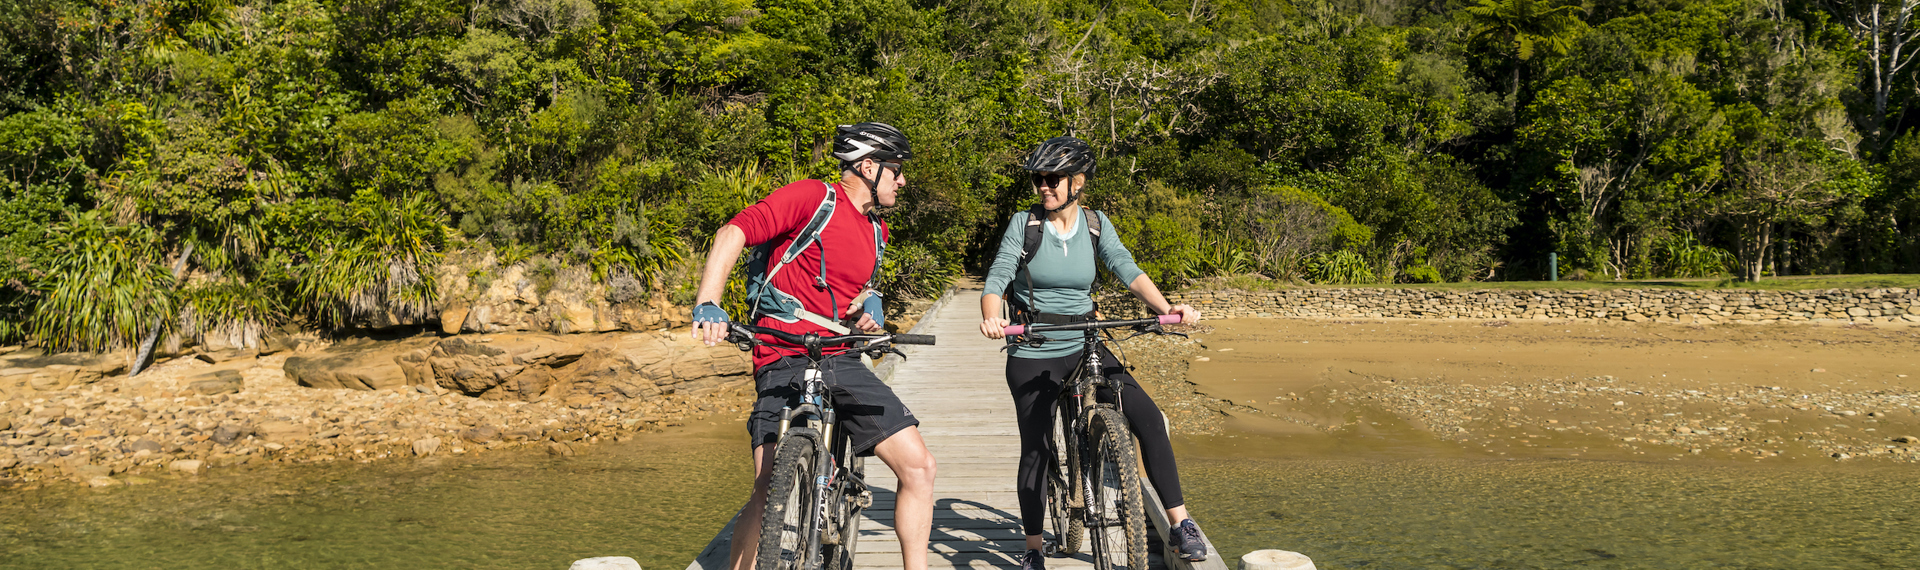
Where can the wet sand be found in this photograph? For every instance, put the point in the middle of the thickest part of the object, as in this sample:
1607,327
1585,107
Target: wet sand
1774,393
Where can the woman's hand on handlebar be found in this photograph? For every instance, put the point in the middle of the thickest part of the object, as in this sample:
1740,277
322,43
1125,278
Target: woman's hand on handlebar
993,327
1188,314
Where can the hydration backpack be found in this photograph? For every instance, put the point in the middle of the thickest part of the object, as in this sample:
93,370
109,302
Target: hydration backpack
1030,244
763,299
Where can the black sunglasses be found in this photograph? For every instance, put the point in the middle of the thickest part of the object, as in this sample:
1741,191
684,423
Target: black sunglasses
894,166
1047,180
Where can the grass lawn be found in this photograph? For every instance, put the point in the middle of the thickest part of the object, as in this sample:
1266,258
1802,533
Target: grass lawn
1788,283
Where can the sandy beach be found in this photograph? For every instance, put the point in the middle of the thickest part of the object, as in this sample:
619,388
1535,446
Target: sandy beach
1552,389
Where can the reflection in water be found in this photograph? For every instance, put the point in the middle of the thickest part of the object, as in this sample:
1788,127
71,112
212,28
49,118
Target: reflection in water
658,498
1466,513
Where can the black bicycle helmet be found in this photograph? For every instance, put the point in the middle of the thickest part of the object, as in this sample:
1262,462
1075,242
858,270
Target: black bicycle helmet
878,141
1065,155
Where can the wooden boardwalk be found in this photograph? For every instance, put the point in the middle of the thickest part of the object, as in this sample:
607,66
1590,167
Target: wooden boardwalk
959,393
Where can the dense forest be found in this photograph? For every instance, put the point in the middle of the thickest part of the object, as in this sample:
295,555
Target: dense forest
220,165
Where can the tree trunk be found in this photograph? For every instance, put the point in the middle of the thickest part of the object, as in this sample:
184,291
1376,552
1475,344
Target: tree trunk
145,353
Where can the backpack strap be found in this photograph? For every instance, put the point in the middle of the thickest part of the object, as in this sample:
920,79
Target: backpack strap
809,235
1030,244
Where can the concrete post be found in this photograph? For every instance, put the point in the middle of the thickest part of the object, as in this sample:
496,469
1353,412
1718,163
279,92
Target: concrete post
1275,560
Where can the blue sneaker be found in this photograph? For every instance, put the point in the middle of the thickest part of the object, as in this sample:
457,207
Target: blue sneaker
1187,542
1033,561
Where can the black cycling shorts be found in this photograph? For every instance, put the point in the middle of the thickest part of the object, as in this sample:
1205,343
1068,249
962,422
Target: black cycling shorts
869,412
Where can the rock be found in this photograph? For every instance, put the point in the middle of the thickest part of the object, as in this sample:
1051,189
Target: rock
425,447
84,471
146,445
1906,439
217,382
453,316
218,357
559,449
605,563
1275,560
280,431
480,434
288,343
502,367
225,434
188,466
61,376
102,481
6,424
357,367
8,459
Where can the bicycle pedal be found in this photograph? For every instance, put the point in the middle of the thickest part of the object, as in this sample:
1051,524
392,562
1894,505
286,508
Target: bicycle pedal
865,499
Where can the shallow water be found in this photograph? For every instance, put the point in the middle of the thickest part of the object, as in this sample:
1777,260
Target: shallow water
1479,513
661,497
658,498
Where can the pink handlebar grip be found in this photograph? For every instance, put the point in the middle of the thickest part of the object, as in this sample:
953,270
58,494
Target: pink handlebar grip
1014,330
1171,319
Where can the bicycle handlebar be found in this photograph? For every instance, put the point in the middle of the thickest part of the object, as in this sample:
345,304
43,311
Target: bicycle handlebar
812,340
1092,325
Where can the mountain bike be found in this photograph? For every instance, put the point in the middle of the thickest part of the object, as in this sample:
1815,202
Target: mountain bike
819,488
1095,484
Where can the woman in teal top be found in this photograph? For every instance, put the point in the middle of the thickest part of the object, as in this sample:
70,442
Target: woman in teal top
1057,286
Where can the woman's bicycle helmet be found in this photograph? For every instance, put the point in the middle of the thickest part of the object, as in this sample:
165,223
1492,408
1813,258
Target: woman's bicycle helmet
1062,155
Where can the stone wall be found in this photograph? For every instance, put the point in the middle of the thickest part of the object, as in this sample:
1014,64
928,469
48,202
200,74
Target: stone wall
1894,305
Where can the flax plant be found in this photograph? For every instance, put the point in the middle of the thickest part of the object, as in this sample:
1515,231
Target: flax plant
379,262
108,283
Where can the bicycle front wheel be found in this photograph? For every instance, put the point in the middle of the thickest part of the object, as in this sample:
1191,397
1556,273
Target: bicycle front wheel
1067,532
1115,519
789,527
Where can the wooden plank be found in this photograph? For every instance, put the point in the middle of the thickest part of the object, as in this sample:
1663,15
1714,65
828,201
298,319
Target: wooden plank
959,393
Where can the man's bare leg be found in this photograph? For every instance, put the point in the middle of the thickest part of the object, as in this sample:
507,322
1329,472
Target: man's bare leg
906,453
746,532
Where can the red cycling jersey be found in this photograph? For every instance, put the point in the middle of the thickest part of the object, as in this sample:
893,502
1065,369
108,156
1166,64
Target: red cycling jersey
847,241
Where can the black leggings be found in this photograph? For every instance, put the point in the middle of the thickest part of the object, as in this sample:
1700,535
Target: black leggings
1035,384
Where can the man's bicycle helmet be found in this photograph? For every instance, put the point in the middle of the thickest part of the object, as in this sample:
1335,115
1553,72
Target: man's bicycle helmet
1065,155
879,141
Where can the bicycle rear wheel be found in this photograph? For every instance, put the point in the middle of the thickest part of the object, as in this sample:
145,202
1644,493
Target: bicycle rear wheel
1116,518
1067,531
789,529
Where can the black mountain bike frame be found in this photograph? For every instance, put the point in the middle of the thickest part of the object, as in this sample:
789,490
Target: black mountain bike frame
1099,453
817,492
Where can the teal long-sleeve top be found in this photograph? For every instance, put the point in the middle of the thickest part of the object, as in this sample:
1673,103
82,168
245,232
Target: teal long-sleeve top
1063,273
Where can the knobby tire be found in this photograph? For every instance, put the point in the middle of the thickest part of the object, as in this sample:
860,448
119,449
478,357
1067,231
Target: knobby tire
1067,531
789,532
1117,517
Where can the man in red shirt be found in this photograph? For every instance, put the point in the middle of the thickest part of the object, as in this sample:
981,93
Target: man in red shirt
825,278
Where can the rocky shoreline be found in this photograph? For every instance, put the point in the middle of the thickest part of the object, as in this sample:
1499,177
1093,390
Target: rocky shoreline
78,418
88,423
